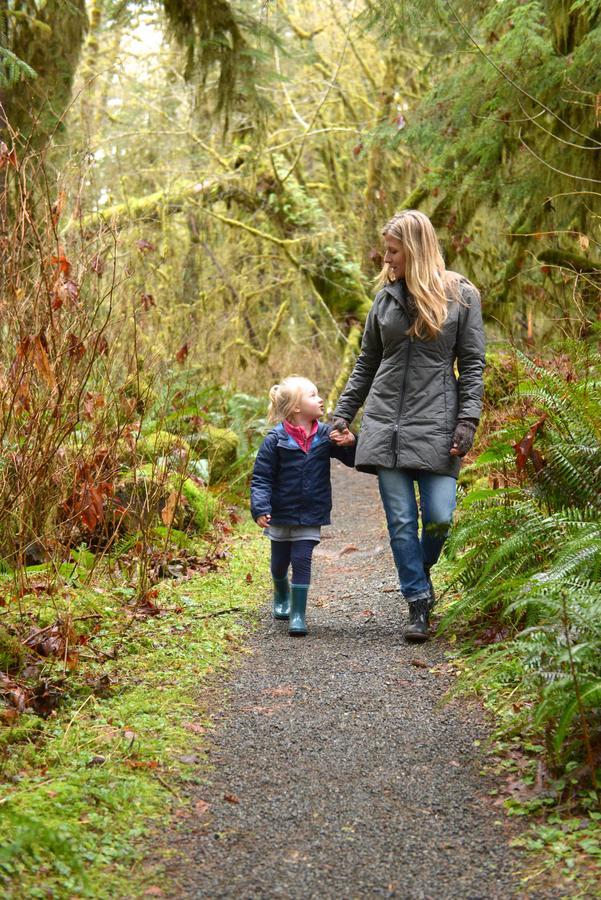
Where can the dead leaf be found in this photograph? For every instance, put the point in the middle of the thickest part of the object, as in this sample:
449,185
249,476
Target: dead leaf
145,246
147,301
249,578
75,347
182,353
42,363
169,510
524,448
348,549
194,727
7,157
231,798
97,264
418,663
584,241
154,891
62,264
286,690
201,807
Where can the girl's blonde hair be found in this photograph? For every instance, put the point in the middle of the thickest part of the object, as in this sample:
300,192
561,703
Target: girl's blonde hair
284,397
428,281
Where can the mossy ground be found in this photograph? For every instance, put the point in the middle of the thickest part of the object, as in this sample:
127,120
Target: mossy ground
81,789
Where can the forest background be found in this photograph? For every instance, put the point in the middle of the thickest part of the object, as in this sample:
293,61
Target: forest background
192,200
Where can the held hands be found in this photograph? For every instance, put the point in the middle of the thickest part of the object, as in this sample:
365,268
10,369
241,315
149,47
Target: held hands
340,433
463,437
263,521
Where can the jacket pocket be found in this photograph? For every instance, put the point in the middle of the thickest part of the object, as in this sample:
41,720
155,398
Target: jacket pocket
451,403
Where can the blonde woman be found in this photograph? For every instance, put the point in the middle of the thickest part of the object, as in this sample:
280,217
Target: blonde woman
419,418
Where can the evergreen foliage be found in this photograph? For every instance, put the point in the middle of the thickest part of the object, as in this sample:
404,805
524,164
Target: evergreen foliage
510,131
531,558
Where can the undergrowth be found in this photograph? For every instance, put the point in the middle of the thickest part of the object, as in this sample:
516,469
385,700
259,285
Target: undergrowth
83,786
525,598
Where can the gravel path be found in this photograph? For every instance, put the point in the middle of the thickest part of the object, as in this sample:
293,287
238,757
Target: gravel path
337,771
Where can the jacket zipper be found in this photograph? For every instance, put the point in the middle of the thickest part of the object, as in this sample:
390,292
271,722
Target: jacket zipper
395,434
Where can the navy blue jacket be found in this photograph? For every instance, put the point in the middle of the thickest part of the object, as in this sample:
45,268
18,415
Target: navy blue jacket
292,486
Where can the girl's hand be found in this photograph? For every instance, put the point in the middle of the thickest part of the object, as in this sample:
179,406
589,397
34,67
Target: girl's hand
344,438
263,521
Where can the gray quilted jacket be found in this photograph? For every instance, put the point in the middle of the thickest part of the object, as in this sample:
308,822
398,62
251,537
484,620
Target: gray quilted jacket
413,397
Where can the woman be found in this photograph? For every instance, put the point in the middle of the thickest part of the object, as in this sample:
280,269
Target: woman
419,419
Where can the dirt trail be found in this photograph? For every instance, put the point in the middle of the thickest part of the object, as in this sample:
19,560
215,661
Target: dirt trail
337,772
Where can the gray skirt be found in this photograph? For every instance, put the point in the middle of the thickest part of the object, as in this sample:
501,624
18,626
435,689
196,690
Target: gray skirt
293,532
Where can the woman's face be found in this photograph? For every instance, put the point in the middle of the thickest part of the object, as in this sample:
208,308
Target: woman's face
395,257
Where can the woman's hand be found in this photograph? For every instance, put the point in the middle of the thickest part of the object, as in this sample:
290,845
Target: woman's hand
344,438
463,437
263,521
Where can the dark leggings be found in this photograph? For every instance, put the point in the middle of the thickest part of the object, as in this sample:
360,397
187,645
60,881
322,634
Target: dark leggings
297,553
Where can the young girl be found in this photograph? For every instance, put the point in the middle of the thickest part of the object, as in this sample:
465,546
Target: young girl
290,492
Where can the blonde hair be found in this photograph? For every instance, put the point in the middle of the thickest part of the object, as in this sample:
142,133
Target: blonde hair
428,281
284,397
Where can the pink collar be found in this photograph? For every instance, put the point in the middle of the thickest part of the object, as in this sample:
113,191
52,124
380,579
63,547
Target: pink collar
300,435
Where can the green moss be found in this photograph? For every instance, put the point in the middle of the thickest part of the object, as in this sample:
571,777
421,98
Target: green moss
201,502
220,447
82,801
161,443
12,651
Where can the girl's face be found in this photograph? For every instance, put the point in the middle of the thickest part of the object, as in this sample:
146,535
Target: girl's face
310,404
394,256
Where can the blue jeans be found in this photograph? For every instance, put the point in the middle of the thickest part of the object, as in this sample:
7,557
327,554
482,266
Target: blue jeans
437,500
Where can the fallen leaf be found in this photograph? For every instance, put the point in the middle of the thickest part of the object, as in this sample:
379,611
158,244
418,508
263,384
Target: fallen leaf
286,690
96,761
349,549
419,663
188,760
231,798
194,727
201,807
249,578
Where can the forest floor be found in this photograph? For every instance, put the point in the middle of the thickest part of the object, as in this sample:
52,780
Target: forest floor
337,768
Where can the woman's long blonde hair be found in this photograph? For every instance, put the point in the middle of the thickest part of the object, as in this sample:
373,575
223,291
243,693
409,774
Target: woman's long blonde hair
428,281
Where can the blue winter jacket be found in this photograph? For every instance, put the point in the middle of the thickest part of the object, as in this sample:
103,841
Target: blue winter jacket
292,486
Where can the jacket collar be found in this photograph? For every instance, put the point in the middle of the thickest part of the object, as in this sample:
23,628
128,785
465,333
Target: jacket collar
286,440
398,290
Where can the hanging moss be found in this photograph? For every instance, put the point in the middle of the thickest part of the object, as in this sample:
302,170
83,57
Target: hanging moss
49,40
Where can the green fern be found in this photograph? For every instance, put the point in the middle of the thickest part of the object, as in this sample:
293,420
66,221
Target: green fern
529,555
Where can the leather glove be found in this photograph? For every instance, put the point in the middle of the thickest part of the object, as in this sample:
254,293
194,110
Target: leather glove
463,437
339,424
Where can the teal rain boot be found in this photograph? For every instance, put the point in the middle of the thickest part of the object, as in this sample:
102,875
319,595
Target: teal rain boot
298,607
281,598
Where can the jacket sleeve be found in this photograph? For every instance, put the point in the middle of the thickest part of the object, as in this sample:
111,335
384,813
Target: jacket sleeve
263,478
362,376
470,354
346,455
